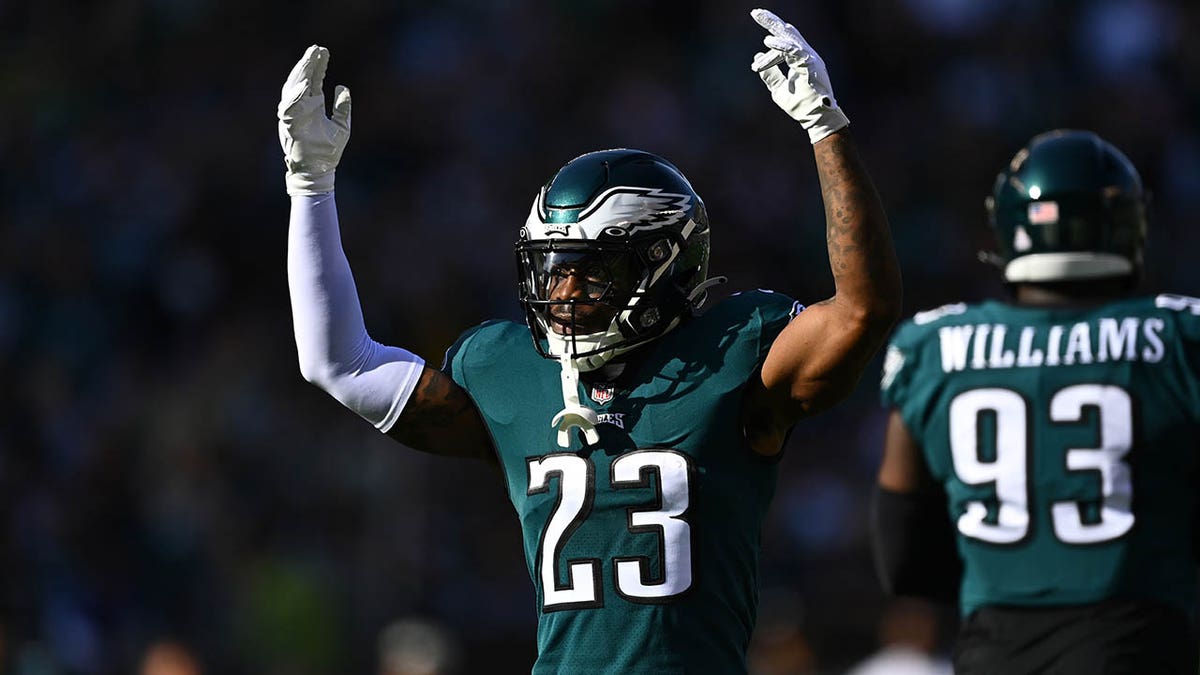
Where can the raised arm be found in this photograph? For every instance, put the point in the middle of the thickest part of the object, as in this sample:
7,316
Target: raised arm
818,358
388,386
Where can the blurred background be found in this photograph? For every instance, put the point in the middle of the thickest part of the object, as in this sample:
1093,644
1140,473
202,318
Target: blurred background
176,500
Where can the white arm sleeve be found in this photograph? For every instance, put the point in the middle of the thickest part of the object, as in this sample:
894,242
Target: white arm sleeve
336,354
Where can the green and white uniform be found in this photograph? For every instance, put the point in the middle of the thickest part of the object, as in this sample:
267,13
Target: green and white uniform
1066,440
643,549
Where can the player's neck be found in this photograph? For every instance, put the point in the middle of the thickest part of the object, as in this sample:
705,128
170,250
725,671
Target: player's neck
1071,293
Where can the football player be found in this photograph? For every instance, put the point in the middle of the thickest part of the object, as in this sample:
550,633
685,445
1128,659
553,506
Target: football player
637,436
1041,453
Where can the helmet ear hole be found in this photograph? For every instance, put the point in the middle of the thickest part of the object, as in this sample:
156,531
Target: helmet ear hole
658,251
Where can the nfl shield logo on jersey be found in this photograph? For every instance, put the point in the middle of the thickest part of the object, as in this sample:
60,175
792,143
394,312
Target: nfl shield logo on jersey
602,393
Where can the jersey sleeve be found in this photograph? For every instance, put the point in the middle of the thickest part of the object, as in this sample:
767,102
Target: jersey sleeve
775,312
900,362
1186,312
455,363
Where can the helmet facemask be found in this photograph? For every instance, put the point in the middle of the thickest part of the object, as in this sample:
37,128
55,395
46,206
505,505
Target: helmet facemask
594,300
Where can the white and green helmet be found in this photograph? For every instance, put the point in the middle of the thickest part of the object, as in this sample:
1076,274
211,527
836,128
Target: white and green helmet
633,218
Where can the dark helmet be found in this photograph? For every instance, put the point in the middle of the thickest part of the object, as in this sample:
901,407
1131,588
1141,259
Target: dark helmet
634,220
1069,207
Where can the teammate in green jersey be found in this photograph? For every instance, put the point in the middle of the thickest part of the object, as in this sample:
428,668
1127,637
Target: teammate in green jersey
1048,445
635,434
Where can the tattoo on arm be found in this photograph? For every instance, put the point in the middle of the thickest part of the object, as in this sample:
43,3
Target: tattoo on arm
440,418
818,360
865,270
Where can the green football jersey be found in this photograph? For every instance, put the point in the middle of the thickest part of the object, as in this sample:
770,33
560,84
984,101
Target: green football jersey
643,549
1066,440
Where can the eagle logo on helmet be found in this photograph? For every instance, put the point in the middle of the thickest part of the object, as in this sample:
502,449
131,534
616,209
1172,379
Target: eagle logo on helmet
619,211
635,209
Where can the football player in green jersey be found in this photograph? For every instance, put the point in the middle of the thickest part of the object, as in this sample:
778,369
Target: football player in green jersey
636,435
1041,454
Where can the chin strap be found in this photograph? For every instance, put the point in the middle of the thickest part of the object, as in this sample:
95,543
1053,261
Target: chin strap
574,414
700,293
577,415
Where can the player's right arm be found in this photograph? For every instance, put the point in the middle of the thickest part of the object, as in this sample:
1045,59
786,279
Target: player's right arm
912,538
441,418
388,386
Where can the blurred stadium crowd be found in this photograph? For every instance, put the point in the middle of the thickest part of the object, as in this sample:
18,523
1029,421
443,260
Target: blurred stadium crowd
167,479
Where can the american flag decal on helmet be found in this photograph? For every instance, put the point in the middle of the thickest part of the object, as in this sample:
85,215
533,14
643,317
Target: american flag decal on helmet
1043,213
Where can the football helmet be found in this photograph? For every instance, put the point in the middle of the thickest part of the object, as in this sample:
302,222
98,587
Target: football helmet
628,230
1069,206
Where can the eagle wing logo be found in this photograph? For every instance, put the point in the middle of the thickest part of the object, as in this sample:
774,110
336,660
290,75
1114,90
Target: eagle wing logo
635,209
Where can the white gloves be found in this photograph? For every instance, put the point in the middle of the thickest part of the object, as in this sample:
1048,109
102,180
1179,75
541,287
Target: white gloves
312,143
803,91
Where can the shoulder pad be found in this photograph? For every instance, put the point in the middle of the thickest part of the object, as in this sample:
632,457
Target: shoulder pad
929,316
1178,303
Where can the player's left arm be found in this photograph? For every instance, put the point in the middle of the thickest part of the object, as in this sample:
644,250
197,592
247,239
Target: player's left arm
818,358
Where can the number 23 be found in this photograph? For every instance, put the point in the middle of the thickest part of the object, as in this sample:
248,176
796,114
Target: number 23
635,580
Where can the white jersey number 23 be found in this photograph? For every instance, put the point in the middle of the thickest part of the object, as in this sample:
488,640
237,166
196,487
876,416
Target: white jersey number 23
633,575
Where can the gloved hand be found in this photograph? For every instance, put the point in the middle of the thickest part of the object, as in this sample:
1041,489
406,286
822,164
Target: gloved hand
803,91
312,143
